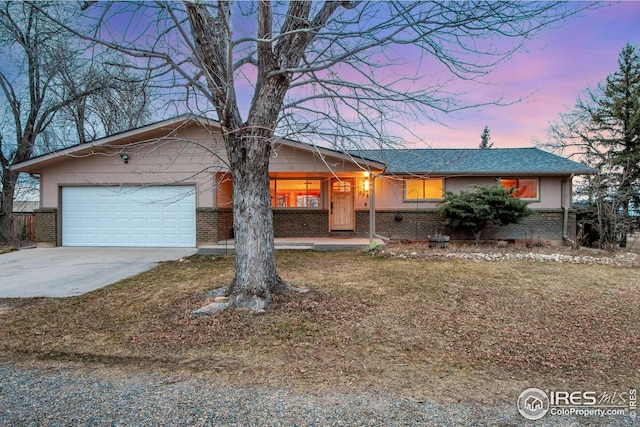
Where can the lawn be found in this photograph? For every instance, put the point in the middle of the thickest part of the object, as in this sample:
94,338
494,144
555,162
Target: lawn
437,329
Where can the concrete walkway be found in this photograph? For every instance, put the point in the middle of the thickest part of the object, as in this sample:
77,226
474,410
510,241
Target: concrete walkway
296,243
71,271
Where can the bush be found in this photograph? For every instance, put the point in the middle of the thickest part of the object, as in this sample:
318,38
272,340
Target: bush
488,204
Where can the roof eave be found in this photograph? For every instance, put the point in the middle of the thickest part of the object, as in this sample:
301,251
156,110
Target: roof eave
27,166
364,163
494,173
33,165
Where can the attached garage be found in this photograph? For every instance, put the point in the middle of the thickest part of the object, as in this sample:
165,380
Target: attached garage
145,216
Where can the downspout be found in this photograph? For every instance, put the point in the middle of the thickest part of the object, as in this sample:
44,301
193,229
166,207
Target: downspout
372,208
565,206
372,212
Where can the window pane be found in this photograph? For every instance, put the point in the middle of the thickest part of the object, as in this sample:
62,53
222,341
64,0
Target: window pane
413,190
528,188
509,184
433,189
423,189
342,186
295,193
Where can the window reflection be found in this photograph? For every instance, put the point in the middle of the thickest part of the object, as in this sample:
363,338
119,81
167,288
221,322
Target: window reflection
430,188
295,193
525,188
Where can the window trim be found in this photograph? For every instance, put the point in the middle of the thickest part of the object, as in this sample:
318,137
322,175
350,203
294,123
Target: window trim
431,199
517,179
275,190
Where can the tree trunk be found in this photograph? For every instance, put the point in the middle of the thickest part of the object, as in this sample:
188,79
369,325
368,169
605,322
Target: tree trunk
7,232
256,278
249,144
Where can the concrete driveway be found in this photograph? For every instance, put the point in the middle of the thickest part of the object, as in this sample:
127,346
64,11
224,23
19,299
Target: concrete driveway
71,271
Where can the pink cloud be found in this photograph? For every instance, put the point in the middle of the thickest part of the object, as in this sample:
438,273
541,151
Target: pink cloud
549,75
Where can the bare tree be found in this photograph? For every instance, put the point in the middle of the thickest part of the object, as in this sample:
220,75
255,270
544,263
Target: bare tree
122,103
603,130
339,71
49,80
602,208
127,102
30,89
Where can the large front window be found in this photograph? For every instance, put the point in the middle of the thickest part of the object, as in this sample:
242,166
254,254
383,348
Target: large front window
295,193
524,188
423,189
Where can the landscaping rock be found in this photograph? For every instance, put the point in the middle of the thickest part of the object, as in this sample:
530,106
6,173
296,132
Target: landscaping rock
555,255
211,309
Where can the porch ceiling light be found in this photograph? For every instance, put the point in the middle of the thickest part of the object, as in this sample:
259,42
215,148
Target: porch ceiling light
125,157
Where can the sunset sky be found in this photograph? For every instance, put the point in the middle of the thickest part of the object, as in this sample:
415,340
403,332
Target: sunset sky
538,83
549,76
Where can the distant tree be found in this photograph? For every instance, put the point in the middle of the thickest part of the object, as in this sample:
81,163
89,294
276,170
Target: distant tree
602,212
123,103
472,211
603,129
53,93
485,138
126,103
30,89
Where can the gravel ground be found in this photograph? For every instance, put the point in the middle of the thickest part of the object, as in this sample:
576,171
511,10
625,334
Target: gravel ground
69,397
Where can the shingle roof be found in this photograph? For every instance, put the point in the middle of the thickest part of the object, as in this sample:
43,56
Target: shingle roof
474,161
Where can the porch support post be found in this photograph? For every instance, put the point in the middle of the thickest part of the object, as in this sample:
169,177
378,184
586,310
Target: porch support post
372,208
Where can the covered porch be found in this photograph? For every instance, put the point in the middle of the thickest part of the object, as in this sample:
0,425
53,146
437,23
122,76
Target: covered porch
316,193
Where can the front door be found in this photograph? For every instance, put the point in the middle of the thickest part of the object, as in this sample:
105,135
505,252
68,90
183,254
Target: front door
342,209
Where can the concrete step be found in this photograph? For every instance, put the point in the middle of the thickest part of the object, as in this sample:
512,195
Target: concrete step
293,244
295,247
228,247
333,247
216,250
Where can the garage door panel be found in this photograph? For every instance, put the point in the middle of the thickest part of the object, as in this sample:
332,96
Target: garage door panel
186,223
154,224
128,216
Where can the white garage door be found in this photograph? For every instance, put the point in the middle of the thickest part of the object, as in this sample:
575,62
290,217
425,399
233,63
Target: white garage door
129,216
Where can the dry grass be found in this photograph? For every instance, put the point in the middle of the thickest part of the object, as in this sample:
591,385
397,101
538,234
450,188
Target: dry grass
6,248
428,329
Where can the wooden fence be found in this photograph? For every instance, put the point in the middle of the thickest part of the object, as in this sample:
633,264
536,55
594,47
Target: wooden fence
24,225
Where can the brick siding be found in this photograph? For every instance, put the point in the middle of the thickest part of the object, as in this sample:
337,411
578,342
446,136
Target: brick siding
545,225
213,225
47,226
225,224
300,223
